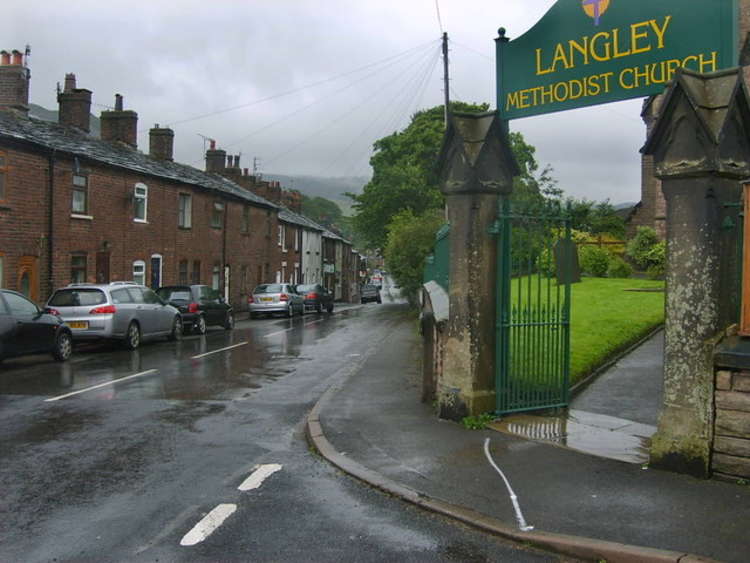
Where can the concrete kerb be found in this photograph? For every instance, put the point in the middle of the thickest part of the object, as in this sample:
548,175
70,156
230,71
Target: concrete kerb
575,546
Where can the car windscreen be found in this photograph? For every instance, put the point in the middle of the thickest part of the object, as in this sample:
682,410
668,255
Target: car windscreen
175,293
77,297
305,288
268,288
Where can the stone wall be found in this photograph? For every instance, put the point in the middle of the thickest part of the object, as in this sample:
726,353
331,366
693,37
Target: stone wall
731,448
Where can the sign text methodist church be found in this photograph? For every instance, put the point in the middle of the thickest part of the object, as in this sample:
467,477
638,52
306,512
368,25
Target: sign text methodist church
587,52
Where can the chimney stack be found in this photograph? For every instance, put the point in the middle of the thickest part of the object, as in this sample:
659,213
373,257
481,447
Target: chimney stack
161,143
14,82
75,105
215,158
120,125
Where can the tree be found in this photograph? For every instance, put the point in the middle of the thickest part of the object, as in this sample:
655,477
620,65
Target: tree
322,210
595,218
410,239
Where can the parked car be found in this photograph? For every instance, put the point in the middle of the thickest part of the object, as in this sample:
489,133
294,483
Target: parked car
27,329
316,297
115,311
369,293
199,305
269,298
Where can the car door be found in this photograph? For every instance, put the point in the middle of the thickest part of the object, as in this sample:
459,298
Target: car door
126,310
32,333
163,315
7,329
143,313
210,305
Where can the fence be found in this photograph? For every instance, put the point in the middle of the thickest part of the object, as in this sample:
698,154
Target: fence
437,264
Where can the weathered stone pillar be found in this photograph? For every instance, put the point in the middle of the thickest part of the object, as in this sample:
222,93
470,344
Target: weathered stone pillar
476,167
701,151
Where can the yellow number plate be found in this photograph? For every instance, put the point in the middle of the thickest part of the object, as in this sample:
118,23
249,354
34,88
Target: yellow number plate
78,324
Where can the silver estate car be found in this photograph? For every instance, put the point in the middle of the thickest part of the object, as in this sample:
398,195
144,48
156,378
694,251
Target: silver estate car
118,311
272,298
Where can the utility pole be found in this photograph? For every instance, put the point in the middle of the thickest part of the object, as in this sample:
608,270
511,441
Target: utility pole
445,76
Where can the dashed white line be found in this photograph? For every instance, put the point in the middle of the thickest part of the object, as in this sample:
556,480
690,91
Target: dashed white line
208,524
314,322
219,350
112,382
278,332
256,478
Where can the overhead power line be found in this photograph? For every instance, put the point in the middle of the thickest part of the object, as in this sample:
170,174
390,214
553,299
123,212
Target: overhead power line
440,21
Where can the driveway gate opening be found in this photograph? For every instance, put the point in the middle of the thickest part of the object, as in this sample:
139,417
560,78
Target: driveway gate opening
535,266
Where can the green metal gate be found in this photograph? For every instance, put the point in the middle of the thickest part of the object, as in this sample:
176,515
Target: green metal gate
535,265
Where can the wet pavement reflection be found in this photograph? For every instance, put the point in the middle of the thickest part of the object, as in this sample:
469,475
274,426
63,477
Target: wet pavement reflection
596,434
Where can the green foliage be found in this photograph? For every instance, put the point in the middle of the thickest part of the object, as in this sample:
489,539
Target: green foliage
594,260
640,246
478,422
657,259
410,239
595,218
618,268
323,211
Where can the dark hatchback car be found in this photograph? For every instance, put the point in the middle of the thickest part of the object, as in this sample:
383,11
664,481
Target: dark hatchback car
27,329
316,297
199,305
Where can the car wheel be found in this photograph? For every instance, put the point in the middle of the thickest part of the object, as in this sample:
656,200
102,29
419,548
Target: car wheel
253,315
176,333
229,322
329,309
379,301
200,325
132,336
290,311
362,301
63,346
319,308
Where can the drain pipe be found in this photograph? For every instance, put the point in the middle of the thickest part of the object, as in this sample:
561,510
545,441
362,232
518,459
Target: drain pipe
51,222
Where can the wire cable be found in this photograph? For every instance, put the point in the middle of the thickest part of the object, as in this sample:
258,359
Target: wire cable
440,21
483,55
295,90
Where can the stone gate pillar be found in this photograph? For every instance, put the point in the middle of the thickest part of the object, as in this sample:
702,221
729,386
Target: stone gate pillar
701,151
476,167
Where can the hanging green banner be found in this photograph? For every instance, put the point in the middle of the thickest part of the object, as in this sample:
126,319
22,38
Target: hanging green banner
588,52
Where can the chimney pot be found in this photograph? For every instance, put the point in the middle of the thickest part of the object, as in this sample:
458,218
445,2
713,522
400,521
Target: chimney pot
120,125
236,161
17,57
161,143
70,82
246,170
75,104
212,144
4,58
118,102
216,159
14,82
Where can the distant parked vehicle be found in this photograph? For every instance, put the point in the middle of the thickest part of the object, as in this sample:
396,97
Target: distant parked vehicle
27,329
370,292
316,297
269,298
199,305
115,311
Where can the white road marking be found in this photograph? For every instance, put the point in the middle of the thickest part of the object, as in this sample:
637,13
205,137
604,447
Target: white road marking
278,332
147,372
314,322
256,478
208,524
522,525
219,350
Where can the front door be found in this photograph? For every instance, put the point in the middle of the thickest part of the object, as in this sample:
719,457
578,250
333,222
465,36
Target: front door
156,271
102,267
28,277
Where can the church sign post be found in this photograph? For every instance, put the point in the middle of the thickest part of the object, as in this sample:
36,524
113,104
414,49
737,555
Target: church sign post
588,52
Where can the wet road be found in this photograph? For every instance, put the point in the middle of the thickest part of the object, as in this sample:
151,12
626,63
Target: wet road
141,456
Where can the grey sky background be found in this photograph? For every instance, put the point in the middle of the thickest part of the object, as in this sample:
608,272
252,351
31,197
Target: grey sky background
174,61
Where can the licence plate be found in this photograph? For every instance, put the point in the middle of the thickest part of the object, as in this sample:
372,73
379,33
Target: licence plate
266,299
78,324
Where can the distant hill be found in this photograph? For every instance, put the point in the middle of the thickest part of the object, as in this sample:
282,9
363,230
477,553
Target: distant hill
51,115
332,188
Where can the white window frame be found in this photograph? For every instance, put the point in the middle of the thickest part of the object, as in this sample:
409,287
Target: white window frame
185,216
82,189
140,191
281,235
296,239
221,208
139,272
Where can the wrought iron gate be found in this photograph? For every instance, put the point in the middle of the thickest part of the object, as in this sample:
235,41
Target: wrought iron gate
535,266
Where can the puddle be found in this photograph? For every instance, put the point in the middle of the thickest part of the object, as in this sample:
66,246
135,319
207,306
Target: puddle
595,434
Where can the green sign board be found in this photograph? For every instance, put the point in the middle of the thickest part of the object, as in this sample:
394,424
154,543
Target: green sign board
587,52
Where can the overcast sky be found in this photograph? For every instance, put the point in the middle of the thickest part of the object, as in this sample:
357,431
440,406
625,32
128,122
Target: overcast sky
175,61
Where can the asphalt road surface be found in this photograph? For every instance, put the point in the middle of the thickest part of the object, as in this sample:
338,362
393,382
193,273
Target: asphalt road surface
195,451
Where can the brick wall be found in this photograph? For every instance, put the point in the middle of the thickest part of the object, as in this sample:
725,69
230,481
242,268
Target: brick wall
731,451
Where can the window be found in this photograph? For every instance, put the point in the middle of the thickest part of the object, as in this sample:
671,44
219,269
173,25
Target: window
182,272
19,306
80,203
78,268
185,211
196,272
245,226
216,277
217,215
140,203
282,237
3,175
120,296
139,272
297,233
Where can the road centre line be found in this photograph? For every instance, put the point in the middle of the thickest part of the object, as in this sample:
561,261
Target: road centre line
147,372
261,473
208,524
219,350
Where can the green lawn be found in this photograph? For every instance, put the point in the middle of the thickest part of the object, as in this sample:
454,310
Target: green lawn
605,318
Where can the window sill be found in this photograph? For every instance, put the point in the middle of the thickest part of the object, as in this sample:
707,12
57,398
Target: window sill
144,221
184,228
81,216
284,250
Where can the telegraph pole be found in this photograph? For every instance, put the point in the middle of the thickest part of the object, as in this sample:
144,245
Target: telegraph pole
445,76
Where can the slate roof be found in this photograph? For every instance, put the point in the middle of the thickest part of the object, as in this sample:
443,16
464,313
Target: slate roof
77,143
289,216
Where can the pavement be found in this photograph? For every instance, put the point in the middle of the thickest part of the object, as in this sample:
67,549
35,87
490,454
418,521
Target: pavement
371,424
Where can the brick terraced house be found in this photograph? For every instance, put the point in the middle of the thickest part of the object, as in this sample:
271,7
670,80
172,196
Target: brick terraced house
75,208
